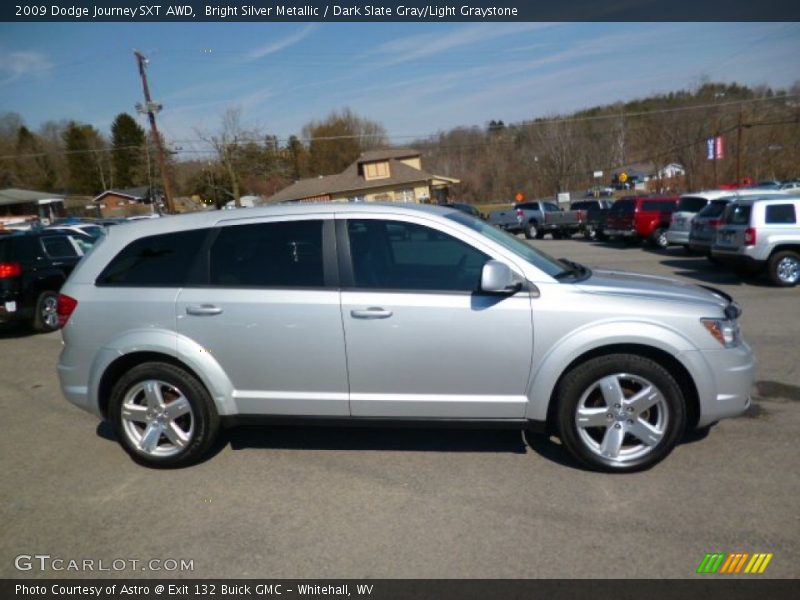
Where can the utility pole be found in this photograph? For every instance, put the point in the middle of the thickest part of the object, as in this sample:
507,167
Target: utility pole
150,108
739,149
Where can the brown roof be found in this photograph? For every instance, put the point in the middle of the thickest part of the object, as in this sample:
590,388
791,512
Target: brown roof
350,180
388,153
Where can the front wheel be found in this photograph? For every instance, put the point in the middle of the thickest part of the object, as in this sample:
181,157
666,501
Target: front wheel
784,268
620,413
162,415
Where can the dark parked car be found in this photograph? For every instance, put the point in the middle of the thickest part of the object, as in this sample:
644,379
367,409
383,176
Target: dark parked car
467,208
33,267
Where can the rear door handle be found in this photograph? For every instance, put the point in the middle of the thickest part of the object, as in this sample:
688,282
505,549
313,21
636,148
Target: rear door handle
374,312
204,310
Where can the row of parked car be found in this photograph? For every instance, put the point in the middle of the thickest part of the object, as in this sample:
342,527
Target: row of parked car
752,230
36,261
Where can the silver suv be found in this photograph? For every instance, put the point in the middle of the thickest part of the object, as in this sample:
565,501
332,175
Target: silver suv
373,313
761,234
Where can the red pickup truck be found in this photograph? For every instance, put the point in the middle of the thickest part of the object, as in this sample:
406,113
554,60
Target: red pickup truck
636,218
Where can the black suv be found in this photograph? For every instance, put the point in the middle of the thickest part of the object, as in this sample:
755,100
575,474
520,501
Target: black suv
33,266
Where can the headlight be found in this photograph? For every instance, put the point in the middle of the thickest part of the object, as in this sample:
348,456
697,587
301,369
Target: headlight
724,331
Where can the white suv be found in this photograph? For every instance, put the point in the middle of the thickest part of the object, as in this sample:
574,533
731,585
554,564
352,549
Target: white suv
762,234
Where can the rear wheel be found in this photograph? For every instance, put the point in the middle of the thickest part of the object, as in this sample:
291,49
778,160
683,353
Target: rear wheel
659,238
45,318
620,412
162,415
531,231
784,268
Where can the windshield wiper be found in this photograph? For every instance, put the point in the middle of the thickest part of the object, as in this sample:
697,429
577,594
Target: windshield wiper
574,269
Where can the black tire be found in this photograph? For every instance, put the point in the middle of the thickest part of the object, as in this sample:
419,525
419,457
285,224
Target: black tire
784,268
589,234
45,318
204,418
532,231
581,385
659,239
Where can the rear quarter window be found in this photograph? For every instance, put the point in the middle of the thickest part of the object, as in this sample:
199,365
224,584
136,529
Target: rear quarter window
155,261
780,214
691,204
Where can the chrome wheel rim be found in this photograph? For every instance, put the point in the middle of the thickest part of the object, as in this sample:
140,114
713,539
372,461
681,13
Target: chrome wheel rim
662,241
622,418
50,312
157,418
788,269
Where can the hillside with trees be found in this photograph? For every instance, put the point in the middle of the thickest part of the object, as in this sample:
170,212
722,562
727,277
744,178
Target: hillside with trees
541,157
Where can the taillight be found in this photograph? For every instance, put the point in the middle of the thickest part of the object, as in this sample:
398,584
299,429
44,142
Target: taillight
714,223
519,213
66,306
10,269
750,236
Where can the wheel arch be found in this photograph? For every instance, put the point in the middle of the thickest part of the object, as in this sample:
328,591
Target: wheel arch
675,367
125,363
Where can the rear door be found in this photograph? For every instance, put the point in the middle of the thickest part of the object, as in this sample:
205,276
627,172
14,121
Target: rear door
267,310
422,342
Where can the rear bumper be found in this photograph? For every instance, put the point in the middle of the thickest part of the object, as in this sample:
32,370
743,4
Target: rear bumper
678,238
700,246
620,232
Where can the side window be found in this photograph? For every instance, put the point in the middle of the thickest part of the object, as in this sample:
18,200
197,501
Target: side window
284,254
780,214
394,255
58,247
158,260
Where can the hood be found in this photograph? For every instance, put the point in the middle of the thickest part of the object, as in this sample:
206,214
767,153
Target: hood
652,287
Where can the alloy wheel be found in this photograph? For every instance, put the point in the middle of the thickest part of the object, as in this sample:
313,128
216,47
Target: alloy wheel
157,418
788,270
622,417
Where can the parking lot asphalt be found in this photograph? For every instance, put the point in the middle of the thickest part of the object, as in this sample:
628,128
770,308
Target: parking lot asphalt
382,503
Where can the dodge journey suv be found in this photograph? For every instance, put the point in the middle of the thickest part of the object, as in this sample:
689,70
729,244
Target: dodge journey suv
342,313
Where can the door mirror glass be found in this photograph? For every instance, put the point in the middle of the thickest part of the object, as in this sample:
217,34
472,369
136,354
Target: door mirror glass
498,278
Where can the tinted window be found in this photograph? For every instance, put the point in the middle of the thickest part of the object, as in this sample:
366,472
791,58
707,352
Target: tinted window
528,206
157,260
737,214
584,205
550,207
58,247
691,204
714,209
656,206
406,256
622,207
285,254
5,250
780,214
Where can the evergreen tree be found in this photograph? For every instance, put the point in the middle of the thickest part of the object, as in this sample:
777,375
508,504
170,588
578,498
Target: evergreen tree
127,141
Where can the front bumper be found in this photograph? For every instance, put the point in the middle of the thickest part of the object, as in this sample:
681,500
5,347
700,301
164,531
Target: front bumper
725,387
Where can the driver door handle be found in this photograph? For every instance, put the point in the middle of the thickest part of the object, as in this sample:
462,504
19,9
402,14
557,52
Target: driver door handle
373,312
204,310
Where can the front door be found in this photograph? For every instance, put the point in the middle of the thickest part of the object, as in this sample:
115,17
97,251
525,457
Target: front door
422,341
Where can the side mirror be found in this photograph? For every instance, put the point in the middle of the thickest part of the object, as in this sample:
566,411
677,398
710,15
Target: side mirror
498,278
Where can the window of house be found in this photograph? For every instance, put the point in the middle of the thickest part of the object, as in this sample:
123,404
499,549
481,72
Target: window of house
395,255
376,170
405,195
284,254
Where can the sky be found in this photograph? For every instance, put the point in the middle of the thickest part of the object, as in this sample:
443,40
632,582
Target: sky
416,79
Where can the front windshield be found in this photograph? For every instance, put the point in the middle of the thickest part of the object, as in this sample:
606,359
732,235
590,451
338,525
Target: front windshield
528,253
